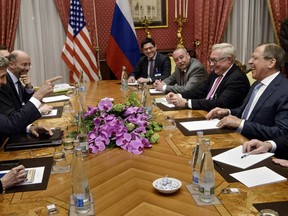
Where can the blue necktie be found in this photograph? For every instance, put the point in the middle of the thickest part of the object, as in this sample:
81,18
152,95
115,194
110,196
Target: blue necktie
248,105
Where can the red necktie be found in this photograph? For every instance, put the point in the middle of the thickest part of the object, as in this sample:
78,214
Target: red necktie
214,87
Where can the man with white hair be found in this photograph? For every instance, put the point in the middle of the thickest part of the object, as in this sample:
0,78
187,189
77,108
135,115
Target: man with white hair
226,85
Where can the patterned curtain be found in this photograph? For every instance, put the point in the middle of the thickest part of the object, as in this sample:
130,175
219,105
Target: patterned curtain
9,11
63,7
278,11
210,18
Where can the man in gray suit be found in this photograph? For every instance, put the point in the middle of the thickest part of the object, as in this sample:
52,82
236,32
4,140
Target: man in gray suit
189,73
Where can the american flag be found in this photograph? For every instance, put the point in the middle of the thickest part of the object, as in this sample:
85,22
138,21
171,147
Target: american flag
78,52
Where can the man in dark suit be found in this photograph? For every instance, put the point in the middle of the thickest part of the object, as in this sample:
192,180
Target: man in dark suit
189,73
18,89
152,66
226,86
17,121
264,112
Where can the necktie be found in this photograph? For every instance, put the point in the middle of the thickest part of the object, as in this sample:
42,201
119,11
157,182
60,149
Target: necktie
151,67
251,99
20,91
214,87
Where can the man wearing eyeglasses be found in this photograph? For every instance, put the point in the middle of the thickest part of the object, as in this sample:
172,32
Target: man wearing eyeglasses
18,89
153,65
225,86
189,73
263,114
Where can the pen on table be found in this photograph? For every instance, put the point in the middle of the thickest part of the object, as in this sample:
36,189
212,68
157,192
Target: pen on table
245,155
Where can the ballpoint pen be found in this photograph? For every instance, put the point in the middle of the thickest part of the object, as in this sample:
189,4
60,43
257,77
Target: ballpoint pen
245,155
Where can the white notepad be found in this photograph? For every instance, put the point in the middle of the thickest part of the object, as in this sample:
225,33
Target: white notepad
200,125
50,114
154,91
55,98
233,157
258,176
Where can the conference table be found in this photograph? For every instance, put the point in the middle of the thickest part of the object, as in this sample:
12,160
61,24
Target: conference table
121,182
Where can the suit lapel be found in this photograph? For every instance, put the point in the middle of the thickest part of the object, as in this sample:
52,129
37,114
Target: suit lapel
271,88
12,85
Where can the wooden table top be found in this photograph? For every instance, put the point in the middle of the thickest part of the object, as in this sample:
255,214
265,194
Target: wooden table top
121,183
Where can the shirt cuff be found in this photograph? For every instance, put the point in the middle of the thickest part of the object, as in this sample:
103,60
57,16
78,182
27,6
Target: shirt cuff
29,90
240,128
28,128
36,102
274,146
164,88
189,103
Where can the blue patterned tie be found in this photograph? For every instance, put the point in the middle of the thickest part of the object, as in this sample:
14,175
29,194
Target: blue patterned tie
248,105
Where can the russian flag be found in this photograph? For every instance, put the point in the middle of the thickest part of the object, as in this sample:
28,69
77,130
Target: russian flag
123,49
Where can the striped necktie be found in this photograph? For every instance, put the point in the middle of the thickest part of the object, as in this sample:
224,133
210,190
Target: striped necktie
214,87
251,99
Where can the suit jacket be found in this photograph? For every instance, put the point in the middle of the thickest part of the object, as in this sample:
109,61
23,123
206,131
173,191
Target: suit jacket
162,67
282,147
230,93
269,118
17,122
9,98
195,74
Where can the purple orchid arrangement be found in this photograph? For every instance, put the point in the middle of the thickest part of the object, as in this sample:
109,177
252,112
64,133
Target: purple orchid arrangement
120,125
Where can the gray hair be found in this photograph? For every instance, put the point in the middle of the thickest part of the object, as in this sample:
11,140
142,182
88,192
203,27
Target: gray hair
273,51
3,62
226,49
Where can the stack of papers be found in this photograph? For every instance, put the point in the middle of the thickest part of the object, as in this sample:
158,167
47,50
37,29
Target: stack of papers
200,125
258,176
154,91
61,87
55,98
133,83
234,158
164,102
252,177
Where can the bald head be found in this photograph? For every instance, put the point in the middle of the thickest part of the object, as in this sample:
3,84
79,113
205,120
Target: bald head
20,63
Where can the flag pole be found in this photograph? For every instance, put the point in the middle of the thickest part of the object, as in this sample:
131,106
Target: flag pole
97,43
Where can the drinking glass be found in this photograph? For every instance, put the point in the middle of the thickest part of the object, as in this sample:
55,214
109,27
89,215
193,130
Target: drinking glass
60,164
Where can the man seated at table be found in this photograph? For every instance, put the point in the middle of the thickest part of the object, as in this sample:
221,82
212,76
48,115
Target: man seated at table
18,89
263,114
17,121
279,146
226,85
189,73
153,65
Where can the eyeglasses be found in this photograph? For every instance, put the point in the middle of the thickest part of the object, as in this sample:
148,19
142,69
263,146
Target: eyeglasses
215,61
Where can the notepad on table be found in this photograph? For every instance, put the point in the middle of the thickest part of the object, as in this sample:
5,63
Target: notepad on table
258,176
233,157
200,125
55,98
154,91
